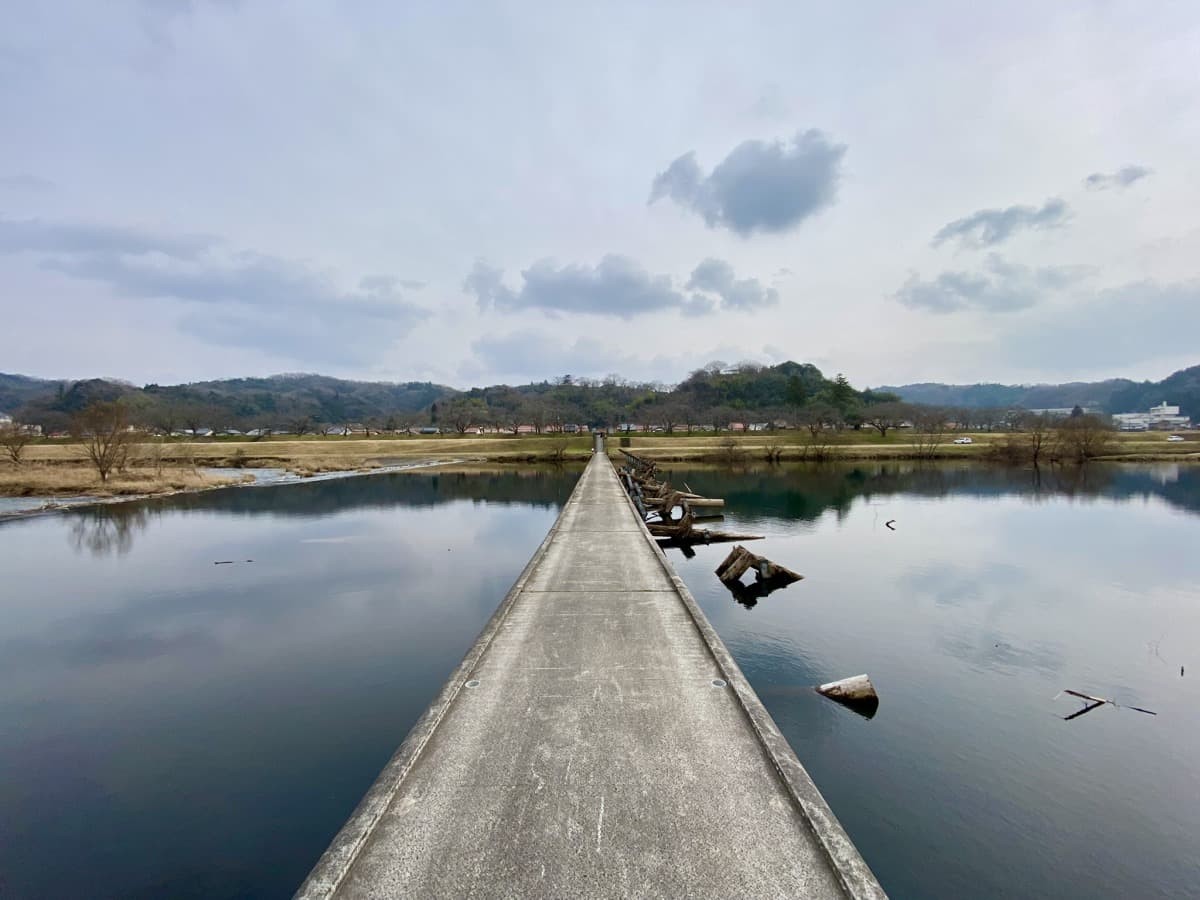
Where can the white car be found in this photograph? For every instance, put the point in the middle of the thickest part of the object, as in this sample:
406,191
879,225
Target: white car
1175,439
963,440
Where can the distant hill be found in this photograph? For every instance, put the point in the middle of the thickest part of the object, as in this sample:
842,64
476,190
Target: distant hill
716,393
232,403
1182,388
304,402
17,390
327,399
1114,395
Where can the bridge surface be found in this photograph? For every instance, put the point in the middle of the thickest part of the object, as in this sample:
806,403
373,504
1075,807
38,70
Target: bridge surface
598,740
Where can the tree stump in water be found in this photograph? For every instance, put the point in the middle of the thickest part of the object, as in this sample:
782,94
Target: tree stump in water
740,559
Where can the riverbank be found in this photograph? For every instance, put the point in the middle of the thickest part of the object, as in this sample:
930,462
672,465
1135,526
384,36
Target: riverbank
44,488
59,465
74,479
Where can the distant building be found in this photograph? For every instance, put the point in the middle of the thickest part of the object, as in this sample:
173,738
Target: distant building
7,421
1164,416
1063,412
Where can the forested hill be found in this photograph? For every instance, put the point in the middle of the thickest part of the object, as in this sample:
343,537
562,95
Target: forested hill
1001,396
1114,395
713,394
237,402
300,403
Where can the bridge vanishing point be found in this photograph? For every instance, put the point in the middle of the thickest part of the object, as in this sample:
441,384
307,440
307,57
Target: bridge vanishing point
598,740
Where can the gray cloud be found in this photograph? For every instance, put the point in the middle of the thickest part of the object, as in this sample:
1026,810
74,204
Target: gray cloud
1122,178
616,286
252,299
716,276
38,236
989,227
26,182
1001,287
760,186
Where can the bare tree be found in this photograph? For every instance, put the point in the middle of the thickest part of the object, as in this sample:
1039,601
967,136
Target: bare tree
300,425
929,427
535,410
15,437
193,416
515,416
103,429
668,414
885,416
817,416
165,417
720,416
1083,437
464,413
731,451
1031,443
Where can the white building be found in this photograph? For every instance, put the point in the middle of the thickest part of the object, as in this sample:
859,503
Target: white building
1162,416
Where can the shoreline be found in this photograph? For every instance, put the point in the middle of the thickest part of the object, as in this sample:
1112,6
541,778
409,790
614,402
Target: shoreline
84,501
318,460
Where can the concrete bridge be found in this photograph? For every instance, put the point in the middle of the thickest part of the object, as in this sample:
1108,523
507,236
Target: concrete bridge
598,740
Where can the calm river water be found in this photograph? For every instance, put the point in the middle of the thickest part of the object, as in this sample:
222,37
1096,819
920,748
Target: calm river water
174,727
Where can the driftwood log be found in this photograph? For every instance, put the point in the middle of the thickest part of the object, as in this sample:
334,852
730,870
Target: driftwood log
656,501
768,576
740,559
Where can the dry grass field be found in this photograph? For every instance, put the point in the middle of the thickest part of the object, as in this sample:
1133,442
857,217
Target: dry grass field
73,478
59,468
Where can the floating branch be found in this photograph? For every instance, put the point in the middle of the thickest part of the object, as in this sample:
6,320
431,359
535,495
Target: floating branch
1094,703
703,536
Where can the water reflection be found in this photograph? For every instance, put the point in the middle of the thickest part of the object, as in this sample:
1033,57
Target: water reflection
748,595
109,529
106,530
179,728
997,589
791,493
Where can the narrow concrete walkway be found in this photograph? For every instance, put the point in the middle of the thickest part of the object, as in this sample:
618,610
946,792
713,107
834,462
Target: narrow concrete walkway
597,741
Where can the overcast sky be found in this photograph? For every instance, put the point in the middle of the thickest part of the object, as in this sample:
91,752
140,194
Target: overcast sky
473,194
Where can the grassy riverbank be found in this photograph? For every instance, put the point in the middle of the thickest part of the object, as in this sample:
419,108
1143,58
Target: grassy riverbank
58,468
71,478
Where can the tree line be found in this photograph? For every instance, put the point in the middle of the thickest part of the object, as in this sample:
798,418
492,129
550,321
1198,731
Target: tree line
715,397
